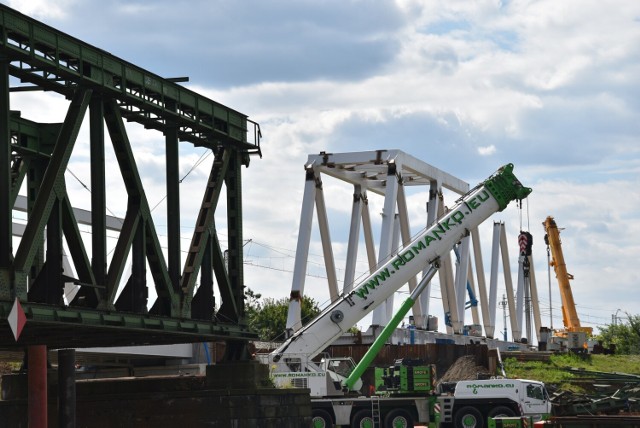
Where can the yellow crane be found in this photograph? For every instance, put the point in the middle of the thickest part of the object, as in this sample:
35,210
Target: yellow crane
569,312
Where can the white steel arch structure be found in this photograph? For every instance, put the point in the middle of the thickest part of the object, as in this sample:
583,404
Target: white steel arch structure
387,173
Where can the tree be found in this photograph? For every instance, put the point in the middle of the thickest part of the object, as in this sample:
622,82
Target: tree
625,336
268,317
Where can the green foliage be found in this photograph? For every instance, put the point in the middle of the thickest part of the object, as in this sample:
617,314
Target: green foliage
625,336
354,330
554,373
9,367
268,317
548,373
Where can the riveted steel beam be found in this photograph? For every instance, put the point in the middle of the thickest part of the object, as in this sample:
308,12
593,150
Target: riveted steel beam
36,57
232,308
52,60
6,247
204,226
52,184
80,327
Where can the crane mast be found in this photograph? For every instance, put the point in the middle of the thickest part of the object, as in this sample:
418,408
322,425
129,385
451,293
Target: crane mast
569,312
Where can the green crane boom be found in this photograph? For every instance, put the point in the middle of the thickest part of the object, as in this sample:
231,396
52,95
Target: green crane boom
368,358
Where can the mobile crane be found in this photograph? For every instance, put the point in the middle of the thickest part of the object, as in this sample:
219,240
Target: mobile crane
574,333
469,404
294,364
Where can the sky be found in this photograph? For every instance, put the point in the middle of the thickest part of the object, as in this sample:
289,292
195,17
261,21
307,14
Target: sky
552,87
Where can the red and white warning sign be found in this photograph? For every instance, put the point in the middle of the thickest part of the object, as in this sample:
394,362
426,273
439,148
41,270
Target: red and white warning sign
17,319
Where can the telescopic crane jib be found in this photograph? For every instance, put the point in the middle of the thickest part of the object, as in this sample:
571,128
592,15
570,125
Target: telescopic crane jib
569,312
334,383
489,197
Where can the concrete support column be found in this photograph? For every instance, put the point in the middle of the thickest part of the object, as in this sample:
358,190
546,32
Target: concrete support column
37,385
66,388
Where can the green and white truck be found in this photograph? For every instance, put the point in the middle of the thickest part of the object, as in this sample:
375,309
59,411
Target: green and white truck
474,402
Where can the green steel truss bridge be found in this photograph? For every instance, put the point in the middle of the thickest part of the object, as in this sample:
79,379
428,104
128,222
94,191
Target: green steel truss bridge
106,91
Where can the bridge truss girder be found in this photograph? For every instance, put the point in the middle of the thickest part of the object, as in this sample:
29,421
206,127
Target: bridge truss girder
112,90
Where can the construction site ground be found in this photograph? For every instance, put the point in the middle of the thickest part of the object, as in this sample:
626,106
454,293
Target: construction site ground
583,394
582,385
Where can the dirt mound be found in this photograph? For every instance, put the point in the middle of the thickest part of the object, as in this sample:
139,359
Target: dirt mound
465,368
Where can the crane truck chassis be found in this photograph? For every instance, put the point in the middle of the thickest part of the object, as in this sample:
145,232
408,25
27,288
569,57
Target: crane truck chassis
293,363
406,395
474,402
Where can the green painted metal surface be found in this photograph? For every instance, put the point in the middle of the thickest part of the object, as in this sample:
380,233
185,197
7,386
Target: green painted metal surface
378,344
388,330
42,58
505,187
86,327
36,46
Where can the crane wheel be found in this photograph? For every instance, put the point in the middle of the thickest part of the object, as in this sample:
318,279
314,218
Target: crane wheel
321,419
398,418
501,412
468,417
363,419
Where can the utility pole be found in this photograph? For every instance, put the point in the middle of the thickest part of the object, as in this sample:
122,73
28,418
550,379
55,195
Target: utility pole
503,304
546,240
615,317
527,310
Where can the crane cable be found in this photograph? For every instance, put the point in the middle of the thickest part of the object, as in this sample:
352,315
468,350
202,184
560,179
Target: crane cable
525,242
520,203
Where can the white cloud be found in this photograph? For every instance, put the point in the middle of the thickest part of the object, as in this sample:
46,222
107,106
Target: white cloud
486,150
550,86
43,9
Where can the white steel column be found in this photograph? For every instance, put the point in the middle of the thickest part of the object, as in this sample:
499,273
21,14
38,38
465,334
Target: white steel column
474,308
447,287
516,330
535,303
461,278
405,233
367,231
396,245
354,238
493,281
447,293
386,239
482,286
435,196
325,236
302,252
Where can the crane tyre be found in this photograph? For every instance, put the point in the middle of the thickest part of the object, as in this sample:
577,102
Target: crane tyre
468,417
320,418
398,418
363,419
501,411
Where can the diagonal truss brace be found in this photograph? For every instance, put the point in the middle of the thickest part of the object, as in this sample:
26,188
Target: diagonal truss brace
204,230
52,189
